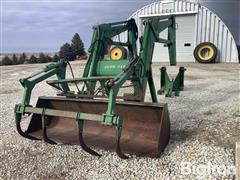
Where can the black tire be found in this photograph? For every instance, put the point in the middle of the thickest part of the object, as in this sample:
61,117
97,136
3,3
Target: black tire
205,52
116,56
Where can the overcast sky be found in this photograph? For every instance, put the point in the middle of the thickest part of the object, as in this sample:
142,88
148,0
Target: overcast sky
40,25
44,25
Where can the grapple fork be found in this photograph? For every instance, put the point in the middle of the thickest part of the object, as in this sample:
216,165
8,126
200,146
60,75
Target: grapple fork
145,130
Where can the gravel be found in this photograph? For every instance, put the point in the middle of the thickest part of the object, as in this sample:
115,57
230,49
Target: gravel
205,124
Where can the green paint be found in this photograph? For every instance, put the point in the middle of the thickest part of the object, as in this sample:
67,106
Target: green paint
110,67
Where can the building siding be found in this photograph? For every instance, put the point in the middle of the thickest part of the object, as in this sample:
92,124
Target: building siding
208,27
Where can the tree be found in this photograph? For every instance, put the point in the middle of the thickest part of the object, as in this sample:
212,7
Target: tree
49,58
42,58
66,52
6,61
77,45
32,59
14,59
22,58
55,58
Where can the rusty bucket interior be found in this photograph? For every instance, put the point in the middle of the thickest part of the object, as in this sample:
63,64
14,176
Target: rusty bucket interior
146,126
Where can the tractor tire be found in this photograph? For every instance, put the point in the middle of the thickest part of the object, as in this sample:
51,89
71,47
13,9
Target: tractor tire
205,52
118,53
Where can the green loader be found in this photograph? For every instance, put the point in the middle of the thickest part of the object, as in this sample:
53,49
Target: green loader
106,109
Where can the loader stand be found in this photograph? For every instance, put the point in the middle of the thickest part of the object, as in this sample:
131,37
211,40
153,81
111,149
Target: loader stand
174,86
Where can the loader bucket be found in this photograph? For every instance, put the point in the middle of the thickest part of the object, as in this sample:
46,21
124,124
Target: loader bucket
146,127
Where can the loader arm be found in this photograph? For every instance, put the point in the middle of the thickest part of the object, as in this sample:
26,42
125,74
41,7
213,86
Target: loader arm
151,35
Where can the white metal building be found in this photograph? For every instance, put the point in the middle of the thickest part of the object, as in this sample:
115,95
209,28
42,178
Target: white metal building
195,24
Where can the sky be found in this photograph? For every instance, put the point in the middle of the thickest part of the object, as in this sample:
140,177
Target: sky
44,25
40,25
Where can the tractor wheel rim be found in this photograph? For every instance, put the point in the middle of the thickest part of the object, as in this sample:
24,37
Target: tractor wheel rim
116,54
206,52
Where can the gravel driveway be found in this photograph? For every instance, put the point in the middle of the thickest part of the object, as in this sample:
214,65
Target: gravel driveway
205,124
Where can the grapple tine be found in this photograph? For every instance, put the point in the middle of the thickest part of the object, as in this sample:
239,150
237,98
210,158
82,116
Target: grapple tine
45,137
44,131
80,138
84,146
118,137
119,152
18,118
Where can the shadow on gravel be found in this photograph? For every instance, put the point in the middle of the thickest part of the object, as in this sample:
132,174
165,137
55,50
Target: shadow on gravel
213,137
